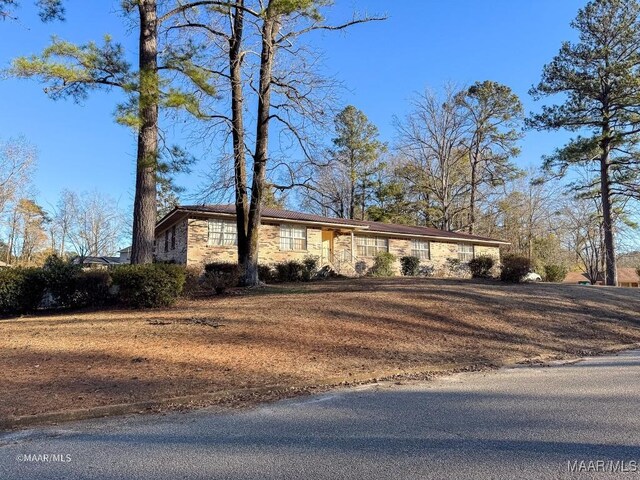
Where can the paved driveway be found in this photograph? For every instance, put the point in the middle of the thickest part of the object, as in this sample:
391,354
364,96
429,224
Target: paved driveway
532,423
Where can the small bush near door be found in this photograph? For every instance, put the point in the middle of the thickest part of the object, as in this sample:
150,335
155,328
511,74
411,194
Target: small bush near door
310,267
410,266
481,266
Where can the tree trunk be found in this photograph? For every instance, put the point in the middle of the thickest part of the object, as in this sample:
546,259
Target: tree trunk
611,271
363,200
269,32
472,198
238,134
12,237
144,208
352,186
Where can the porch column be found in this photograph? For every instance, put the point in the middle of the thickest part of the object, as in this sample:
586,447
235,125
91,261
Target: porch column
352,247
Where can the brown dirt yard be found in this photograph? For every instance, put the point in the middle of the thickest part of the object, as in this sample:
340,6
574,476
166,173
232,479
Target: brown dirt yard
302,335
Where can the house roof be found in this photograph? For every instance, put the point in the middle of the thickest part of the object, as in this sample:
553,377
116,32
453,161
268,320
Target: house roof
625,275
575,277
357,225
97,261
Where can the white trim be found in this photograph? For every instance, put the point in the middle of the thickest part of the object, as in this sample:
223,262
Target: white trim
293,238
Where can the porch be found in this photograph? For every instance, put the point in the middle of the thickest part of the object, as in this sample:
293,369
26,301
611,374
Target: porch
338,250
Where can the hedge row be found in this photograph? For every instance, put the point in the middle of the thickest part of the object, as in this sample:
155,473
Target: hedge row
218,276
61,285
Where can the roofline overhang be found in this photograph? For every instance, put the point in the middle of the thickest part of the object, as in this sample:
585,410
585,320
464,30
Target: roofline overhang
265,217
438,237
354,227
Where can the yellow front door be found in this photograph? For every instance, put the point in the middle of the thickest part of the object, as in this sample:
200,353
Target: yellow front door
327,245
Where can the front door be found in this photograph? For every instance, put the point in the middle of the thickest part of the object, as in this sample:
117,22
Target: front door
327,246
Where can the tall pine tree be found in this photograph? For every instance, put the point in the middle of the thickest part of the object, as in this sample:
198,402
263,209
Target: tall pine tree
598,81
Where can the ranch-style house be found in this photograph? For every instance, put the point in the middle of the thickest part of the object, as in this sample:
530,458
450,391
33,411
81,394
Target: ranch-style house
195,235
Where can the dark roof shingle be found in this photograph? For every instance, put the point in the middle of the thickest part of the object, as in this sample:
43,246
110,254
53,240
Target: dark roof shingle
388,228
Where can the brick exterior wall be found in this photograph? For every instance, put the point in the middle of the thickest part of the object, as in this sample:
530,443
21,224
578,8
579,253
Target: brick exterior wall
400,247
192,248
177,254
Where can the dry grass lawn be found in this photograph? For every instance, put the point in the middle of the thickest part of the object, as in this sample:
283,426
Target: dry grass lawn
301,334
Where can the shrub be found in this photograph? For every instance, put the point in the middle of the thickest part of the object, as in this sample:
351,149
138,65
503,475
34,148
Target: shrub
555,273
266,274
221,275
410,266
310,263
62,281
149,285
21,290
94,289
229,268
289,271
453,264
383,265
310,271
193,281
453,267
481,266
361,267
426,271
514,267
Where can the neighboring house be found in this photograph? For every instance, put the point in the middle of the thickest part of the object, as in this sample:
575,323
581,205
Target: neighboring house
196,235
125,255
627,277
123,258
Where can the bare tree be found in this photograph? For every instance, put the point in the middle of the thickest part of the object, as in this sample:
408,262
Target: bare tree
27,233
432,139
279,75
96,225
17,161
585,235
494,114
63,217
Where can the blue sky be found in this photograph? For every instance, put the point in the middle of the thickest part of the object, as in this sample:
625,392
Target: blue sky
424,43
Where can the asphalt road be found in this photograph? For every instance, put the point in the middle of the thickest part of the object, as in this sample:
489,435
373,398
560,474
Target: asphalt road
532,423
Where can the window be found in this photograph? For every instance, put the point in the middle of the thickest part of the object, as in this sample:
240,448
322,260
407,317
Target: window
222,233
166,240
173,237
420,249
293,237
465,252
371,246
